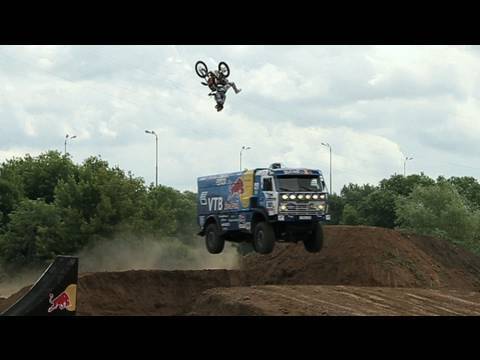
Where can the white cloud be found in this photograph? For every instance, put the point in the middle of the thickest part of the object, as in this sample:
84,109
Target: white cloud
372,103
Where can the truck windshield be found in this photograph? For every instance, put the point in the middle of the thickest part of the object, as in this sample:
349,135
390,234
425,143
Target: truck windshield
298,183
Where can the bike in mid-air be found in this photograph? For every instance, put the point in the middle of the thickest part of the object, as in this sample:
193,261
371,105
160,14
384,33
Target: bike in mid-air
217,81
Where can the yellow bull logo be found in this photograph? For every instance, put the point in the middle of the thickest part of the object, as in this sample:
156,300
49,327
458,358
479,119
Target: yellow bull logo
247,184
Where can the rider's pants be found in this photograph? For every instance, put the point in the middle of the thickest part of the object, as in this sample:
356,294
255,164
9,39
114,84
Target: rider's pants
220,95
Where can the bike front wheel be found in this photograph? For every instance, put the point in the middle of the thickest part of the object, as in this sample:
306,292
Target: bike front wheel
201,69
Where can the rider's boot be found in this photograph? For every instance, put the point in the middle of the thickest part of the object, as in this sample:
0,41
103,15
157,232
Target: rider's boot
235,88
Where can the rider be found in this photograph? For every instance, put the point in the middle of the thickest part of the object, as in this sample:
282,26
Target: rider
219,86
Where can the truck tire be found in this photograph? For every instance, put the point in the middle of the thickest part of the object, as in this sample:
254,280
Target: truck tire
263,238
314,242
214,241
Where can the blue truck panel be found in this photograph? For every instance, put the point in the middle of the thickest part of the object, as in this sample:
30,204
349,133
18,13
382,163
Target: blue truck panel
227,198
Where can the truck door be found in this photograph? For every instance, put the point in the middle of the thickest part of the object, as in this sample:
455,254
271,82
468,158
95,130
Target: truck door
267,197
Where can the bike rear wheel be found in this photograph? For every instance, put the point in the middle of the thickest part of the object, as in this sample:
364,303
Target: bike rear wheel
201,69
224,69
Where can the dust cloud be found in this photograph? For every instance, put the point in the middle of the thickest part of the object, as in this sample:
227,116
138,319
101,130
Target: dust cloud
130,253
11,284
126,252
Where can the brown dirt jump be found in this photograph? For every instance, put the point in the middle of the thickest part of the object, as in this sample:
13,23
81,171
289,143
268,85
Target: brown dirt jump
360,271
369,256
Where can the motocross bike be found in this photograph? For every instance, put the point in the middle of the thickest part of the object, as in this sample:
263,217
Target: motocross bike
220,88
202,70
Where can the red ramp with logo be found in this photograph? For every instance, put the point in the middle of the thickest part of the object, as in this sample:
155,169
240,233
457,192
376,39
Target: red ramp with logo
54,294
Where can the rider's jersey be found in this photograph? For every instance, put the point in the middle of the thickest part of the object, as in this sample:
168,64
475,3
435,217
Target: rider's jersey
214,82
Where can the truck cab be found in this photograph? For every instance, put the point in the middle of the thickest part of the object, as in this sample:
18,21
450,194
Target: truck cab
263,206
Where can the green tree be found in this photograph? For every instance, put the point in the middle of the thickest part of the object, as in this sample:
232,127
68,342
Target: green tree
439,210
351,216
355,197
31,236
37,177
104,198
378,209
9,198
401,185
469,188
335,208
168,212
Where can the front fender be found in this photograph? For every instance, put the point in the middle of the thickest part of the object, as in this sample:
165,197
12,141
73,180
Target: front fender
207,221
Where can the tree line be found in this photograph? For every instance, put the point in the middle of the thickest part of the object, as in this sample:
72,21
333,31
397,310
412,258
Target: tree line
443,208
51,206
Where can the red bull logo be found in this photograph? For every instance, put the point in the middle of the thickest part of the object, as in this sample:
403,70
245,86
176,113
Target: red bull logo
237,187
65,300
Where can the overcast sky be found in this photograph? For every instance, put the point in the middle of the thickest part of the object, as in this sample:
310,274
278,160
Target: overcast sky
373,104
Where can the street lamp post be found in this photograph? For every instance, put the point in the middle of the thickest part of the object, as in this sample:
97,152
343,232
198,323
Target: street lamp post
243,148
405,165
66,138
330,148
156,154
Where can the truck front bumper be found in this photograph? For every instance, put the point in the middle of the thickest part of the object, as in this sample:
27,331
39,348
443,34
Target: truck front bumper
297,218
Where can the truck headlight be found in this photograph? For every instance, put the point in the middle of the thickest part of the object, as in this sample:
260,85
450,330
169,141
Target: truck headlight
321,207
308,196
283,207
292,197
315,196
300,197
285,197
323,197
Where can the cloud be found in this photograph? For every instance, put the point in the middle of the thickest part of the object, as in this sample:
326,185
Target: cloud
374,104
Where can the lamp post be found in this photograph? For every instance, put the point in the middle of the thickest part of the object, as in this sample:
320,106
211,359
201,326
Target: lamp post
66,138
330,148
405,165
243,148
151,132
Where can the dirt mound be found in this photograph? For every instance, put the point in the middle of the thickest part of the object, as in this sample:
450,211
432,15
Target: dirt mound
369,256
149,292
355,256
5,303
321,300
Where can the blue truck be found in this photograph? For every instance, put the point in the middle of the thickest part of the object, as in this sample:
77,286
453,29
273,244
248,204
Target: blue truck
263,206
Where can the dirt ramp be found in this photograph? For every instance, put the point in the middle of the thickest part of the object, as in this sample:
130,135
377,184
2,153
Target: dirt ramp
369,256
149,292
318,300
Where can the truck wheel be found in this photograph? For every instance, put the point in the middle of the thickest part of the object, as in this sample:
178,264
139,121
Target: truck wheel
314,242
263,238
215,243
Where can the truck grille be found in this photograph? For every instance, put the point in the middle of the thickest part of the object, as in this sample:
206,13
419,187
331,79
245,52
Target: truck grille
299,209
